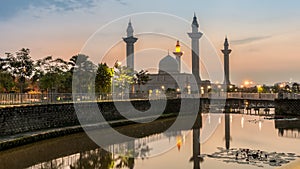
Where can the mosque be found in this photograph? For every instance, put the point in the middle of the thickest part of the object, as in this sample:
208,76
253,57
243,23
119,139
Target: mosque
169,76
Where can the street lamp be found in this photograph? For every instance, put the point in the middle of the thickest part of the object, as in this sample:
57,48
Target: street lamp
189,89
208,89
202,90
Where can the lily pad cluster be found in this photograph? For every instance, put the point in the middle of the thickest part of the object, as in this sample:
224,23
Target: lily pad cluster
258,158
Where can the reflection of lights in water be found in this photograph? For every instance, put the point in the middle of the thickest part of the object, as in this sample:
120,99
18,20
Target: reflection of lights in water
242,122
209,118
179,142
220,120
230,118
259,125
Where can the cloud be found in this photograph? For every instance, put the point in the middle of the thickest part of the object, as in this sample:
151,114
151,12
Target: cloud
70,5
249,40
12,8
121,2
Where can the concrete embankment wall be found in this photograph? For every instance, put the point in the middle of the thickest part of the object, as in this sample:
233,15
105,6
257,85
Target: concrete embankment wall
27,118
287,107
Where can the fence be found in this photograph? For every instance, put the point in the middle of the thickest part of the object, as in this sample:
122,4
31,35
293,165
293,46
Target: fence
52,98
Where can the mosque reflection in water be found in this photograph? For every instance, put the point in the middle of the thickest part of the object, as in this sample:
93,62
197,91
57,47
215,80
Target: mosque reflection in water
124,155
131,154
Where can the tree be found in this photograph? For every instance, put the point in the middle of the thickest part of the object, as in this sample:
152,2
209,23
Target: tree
83,72
141,78
103,79
295,88
287,88
276,88
98,158
4,62
6,82
50,73
21,67
123,78
66,83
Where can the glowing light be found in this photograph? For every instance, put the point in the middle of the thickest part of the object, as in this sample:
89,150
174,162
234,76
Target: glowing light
119,63
259,125
242,122
247,83
178,142
178,50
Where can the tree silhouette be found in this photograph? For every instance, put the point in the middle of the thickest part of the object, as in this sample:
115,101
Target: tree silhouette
83,71
21,66
50,73
141,78
6,82
98,158
295,88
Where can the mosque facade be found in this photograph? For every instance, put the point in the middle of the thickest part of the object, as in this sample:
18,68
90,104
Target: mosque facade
169,76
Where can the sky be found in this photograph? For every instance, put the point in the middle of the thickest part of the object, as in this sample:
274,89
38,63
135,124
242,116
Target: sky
264,35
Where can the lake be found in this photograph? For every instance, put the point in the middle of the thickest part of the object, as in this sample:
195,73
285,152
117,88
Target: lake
223,141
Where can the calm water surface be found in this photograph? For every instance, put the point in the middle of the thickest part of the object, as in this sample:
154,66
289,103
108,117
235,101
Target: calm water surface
238,141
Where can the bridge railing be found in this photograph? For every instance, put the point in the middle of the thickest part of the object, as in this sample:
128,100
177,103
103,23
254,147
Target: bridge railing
252,96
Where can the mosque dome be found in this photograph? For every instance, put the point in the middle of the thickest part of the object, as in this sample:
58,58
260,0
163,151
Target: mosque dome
168,65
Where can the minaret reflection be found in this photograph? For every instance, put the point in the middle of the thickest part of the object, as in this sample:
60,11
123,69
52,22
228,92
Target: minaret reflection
196,143
227,130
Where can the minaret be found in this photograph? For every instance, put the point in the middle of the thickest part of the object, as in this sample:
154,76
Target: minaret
195,35
226,51
178,55
227,131
196,142
130,40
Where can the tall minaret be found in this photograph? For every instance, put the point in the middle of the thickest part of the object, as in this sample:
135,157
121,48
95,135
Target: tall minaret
226,51
195,35
178,55
130,40
227,131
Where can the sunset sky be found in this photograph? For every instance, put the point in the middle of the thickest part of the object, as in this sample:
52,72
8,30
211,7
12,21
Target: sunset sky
263,34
